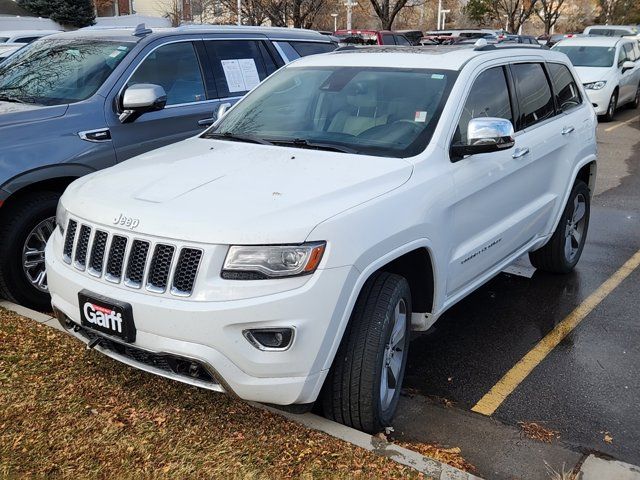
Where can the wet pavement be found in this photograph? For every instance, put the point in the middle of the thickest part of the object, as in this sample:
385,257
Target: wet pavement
588,386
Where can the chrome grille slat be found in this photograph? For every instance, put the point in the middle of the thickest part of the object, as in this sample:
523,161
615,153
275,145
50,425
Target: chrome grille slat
186,271
69,241
115,261
158,277
98,249
115,257
136,264
80,256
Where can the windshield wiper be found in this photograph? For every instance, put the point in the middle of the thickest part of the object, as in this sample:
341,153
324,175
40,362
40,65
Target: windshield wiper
7,98
237,138
303,143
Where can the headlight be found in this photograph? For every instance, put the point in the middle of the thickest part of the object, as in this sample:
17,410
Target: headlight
595,85
256,262
61,217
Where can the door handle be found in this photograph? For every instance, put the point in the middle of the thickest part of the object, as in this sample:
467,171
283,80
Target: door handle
206,122
520,152
567,130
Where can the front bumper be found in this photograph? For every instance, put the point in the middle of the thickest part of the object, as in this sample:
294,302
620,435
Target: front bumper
210,332
600,98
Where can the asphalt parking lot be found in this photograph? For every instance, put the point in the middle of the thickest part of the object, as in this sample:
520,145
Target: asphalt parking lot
587,388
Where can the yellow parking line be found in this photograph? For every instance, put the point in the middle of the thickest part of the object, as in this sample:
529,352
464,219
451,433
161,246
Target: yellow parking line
508,383
621,123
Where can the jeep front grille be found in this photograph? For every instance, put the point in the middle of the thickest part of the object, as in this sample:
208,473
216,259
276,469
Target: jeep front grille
132,261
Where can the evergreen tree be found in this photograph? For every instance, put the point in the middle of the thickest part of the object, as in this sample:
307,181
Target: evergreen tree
40,8
76,13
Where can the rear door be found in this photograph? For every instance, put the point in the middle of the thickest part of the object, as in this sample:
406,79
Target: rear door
628,79
181,68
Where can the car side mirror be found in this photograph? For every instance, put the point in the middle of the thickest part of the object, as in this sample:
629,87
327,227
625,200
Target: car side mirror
628,65
485,135
141,98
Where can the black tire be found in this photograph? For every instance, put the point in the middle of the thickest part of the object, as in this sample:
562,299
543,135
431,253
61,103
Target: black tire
611,108
351,393
636,100
553,256
17,220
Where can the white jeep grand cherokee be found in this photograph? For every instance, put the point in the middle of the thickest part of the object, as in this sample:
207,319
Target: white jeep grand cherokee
285,254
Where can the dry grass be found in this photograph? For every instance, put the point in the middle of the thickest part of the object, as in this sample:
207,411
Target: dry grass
451,456
66,412
538,432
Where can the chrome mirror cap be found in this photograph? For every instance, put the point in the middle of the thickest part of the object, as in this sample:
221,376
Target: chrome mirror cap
490,131
143,95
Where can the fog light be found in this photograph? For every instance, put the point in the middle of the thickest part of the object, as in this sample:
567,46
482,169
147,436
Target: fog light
270,338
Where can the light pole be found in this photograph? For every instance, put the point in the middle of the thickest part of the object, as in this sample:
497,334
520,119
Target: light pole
349,4
439,13
506,23
335,22
239,12
444,17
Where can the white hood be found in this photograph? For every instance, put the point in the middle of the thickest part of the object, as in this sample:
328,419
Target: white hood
229,192
593,74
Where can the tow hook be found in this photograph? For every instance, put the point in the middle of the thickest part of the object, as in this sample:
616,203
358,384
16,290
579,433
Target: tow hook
93,343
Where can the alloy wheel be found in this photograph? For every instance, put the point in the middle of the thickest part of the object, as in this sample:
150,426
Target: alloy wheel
33,264
574,231
393,356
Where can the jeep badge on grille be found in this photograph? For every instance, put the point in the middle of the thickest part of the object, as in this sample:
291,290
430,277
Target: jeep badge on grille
125,221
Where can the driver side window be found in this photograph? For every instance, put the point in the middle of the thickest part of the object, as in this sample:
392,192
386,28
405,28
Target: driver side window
489,97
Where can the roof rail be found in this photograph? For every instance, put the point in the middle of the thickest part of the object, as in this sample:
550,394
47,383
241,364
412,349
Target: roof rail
142,31
490,47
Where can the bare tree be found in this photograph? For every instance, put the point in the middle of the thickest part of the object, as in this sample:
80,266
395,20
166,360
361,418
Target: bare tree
619,11
171,9
253,11
387,10
549,13
516,11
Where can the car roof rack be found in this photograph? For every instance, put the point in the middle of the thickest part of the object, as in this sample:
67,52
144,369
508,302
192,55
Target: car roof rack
488,47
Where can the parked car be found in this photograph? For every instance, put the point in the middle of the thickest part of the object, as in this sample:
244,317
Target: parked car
286,253
371,37
73,103
414,36
454,35
24,36
524,39
609,69
555,38
612,30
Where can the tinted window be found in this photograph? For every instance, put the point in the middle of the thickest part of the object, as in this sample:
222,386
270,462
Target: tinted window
3,39
238,65
311,48
357,38
387,39
26,39
533,92
400,40
567,93
377,111
630,52
583,56
175,67
55,72
489,97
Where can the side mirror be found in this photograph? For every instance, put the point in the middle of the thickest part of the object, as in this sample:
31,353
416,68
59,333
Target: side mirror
141,98
485,135
628,65
222,110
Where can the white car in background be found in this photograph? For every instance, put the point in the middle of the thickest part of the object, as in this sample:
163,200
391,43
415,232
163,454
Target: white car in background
24,36
609,69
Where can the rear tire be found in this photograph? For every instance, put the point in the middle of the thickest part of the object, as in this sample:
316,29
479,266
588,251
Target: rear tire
611,108
363,386
636,100
562,252
21,226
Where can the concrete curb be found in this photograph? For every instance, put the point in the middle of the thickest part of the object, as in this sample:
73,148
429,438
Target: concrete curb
404,456
430,467
594,468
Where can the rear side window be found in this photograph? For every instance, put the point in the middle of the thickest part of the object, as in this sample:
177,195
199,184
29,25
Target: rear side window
401,40
489,97
312,48
238,65
175,67
26,39
387,39
566,89
533,92
629,50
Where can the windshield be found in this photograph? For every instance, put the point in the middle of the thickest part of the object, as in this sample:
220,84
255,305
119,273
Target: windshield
588,56
389,112
56,72
3,39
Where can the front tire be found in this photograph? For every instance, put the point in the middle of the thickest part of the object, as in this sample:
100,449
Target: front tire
611,108
363,387
25,227
562,252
